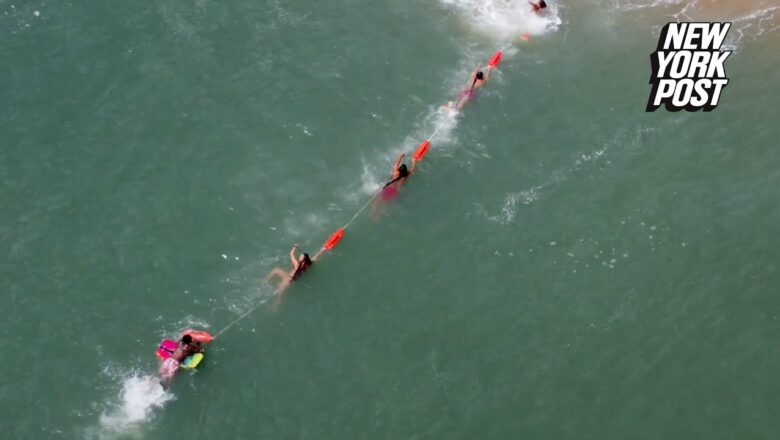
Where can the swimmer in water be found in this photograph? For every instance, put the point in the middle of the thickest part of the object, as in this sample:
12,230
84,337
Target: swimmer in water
300,264
538,7
400,173
478,79
170,366
398,178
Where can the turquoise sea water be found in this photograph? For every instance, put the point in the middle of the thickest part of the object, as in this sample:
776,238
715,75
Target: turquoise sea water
563,264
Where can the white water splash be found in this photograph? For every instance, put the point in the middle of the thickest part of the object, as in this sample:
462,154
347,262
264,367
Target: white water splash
439,123
139,397
506,20
370,182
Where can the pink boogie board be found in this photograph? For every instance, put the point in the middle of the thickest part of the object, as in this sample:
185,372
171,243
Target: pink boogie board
166,349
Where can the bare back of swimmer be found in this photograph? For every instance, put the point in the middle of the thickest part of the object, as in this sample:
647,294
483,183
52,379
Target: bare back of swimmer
300,264
400,172
391,189
170,366
478,79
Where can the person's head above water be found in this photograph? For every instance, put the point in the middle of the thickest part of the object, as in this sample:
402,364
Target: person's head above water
403,171
187,339
542,4
478,77
305,260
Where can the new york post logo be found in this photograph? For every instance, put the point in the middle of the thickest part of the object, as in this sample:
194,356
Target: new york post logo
688,67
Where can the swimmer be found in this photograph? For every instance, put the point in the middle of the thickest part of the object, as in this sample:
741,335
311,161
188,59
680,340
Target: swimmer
186,347
538,7
400,172
478,79
398,178
300,264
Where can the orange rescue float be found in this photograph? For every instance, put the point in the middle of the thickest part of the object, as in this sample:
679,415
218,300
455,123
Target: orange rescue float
334,240
422,150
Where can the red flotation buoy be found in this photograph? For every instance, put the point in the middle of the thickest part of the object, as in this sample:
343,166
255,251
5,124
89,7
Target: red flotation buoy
199,336
422,150
334,240
496,60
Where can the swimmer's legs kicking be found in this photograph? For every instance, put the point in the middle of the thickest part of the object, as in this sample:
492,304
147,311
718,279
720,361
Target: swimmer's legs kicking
277,272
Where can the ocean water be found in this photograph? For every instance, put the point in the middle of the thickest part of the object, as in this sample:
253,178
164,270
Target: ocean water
562,265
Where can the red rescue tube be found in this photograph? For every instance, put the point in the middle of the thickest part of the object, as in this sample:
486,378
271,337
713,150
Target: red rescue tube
334,240
496,60
199,336
422,150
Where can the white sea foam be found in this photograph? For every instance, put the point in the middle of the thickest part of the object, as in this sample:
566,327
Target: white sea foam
438,123
370,181
630,5
443,120
512,200
750,20
506,20
139,397
509,209
755,24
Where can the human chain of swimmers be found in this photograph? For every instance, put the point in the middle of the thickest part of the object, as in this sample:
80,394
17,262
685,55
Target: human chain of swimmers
187,352
302,262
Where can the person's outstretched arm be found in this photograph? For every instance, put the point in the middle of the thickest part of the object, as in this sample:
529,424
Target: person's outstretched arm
414,165
399,161
487,75
293,258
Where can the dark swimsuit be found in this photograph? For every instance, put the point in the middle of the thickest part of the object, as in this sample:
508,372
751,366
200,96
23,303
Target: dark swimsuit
298,272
